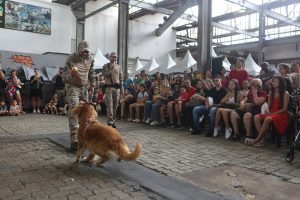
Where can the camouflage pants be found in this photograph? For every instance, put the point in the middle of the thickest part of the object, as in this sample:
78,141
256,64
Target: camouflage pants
74,95
112,97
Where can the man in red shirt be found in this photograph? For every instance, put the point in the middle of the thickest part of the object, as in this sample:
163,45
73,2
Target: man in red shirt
239,72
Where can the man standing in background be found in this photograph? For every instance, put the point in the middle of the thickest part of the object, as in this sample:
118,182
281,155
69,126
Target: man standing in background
113,76
78,73
59,84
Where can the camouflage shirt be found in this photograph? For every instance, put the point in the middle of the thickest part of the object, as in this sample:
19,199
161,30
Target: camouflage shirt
112,74
85,71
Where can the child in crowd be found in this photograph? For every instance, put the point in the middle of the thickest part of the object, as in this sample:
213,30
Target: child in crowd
245,89
92,98
100,99
125,99
140,102
3,108
155,99
278,100
53,104
155,94
50,107
14,108
183,97
228,103
61,103
178,103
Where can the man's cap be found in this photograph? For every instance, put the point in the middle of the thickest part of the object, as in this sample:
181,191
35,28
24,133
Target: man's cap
113,54
264,63
83,46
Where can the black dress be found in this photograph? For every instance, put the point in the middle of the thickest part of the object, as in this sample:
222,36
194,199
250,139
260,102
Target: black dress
36,87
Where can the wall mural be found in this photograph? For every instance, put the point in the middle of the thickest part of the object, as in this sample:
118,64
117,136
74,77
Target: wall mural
25,17
1,13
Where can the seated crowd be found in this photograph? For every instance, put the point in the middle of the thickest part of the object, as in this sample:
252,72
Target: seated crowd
217,104
212,104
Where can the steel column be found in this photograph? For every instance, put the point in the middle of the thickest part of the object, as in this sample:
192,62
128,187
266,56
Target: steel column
261,36
204,35
123,22
79,24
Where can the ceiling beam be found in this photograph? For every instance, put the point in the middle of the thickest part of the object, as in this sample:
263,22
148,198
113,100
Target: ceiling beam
232,15
233,29
78,3
150,7
186,38
174,16
98,10
255,45
267,12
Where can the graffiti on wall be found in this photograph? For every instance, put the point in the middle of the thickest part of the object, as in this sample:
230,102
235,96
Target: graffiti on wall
25,60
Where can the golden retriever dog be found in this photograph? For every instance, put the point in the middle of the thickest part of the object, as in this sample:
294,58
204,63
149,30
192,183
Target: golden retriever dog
100,139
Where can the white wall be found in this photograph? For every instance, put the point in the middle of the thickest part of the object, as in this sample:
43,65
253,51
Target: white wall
102,30
63,29
287,51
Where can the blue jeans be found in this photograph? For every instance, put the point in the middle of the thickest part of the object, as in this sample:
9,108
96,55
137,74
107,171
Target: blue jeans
147,109
155,114
201,110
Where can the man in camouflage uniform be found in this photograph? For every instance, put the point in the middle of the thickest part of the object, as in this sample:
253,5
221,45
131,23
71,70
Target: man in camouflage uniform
112,73
78,72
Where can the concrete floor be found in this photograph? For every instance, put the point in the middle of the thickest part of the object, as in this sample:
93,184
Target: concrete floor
34,166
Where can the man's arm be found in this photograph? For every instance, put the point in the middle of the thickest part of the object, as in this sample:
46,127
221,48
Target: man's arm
67,78
91,75
106,72
121,81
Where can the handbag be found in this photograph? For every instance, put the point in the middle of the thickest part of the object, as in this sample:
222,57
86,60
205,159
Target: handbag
247,107
230,105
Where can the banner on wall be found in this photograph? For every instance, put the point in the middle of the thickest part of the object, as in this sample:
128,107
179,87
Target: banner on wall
25,17
2,6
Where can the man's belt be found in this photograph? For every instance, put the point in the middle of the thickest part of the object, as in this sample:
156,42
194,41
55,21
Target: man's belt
117,86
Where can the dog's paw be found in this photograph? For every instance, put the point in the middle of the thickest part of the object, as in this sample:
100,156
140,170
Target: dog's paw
84,160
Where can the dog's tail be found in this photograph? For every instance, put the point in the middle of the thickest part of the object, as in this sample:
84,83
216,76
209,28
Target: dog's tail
125,154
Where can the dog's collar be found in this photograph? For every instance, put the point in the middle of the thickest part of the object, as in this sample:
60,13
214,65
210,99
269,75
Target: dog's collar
88,122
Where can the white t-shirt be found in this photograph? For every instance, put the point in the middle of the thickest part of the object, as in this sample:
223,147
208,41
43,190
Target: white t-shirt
14,108
295,79
141,95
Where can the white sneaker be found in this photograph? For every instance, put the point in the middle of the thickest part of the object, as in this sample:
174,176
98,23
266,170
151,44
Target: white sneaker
38,111
34,111
154,123
148,121
216,131
129,119
201,119
228,132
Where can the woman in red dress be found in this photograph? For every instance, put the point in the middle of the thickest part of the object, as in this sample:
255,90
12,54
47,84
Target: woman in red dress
278,100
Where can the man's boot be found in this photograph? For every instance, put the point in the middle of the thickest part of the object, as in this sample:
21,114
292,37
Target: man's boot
111,123
74,142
